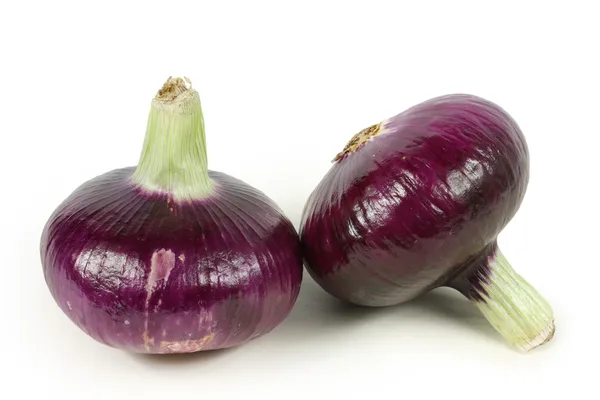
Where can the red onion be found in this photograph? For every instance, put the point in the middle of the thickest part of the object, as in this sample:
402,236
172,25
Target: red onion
416,202
168,256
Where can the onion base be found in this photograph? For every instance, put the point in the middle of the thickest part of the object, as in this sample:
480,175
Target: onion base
358,140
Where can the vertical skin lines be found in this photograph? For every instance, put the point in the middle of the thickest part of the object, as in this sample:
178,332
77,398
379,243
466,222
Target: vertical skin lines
190,259
418,158
145,291
409,202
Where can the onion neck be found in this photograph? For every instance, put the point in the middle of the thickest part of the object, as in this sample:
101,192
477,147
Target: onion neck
511,305
173,159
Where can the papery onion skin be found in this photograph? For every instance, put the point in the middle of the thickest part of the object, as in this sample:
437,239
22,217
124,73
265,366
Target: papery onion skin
139,272
168,256
408,209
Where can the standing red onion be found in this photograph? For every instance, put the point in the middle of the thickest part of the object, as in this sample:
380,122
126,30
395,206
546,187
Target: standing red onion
169,257
416,202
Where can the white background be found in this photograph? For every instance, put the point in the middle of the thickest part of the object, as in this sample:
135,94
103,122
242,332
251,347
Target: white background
284,85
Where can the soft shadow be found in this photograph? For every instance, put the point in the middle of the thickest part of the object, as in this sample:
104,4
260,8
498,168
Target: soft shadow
317,314
449,305
170,360
316,311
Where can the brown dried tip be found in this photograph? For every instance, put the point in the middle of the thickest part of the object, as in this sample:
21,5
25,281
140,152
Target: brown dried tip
172,88
358,140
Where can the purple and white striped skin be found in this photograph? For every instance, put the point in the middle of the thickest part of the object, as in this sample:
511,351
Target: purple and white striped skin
149,273
416,202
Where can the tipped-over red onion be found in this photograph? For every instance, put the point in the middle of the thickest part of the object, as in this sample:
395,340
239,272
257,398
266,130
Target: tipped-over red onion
169,257
416,202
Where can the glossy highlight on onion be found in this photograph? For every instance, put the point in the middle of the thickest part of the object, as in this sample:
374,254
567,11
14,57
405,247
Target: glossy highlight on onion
416,202
168,256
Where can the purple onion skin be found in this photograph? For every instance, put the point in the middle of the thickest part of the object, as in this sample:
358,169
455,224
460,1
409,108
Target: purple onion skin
139,272
418,205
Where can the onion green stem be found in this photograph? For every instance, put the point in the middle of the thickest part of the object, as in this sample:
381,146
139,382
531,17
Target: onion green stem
173,159
511,305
